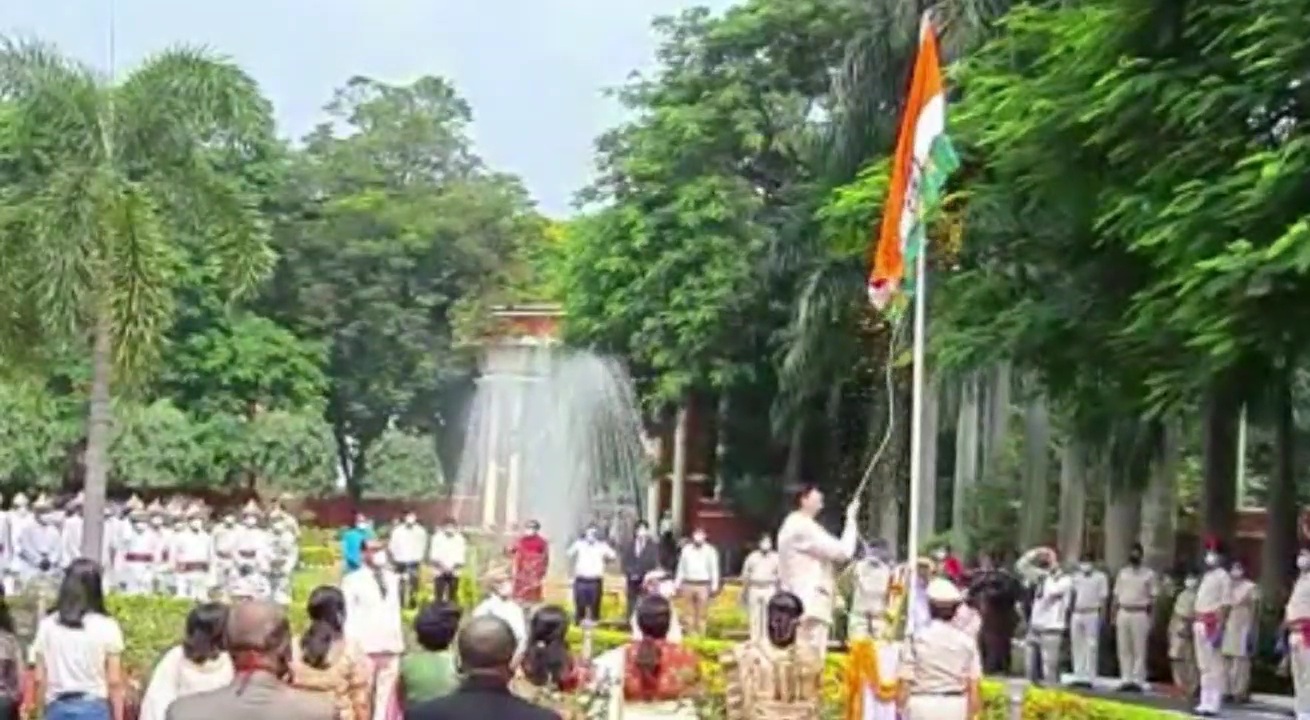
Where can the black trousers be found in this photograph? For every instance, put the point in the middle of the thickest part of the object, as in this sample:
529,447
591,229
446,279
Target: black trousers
587,593
633,594
445,588
8,708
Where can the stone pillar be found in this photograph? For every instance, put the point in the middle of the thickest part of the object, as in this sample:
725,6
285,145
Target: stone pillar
491,480
678,499
515,459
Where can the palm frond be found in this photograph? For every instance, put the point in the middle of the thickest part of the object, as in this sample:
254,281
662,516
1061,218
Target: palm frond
185,99
142,265
53,107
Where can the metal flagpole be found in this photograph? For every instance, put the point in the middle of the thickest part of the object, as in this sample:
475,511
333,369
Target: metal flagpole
916,425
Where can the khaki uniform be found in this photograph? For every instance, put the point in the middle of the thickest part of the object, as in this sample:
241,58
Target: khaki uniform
760,575
1135,589
1090,591
1182,654
1297,619
868,616
1239,637
1212,598
768,683
938,665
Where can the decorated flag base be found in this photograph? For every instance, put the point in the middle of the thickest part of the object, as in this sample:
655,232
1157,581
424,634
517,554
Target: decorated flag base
872,684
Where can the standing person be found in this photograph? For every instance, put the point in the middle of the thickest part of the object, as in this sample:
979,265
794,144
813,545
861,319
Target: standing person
1050,608
531,557
225,550
447,556
639,558
1296,620
162,572
499,603
40,547
373,621
1135,588
488,651
407,543
252,550
285,557
199,664
1212,598
12,663
1182,654
873,578
138,558
1091,590
352,543
259,641
807,557
77,653
589,556
759,574
1239,633
940,670
948,565
996,593
325,662
193,558
698,580
70,531
429,672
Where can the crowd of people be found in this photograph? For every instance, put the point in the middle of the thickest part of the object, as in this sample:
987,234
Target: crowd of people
176,548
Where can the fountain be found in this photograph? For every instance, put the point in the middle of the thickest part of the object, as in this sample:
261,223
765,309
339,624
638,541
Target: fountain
554,435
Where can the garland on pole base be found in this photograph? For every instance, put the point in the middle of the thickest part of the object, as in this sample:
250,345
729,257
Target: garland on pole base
863,671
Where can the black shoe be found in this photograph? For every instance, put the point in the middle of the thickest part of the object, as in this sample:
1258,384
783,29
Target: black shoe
1205,713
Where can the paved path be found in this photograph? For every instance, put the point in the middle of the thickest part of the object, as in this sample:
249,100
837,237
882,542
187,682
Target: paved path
1264,707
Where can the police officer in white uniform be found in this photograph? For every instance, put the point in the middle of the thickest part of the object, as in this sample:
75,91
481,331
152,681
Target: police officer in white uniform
940,668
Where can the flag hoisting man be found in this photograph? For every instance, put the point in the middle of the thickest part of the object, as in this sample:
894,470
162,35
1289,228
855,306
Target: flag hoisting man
923,160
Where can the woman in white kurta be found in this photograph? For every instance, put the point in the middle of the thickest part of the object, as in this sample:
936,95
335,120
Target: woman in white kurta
199,664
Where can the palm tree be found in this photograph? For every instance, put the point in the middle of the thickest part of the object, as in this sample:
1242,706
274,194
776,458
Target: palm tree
107,189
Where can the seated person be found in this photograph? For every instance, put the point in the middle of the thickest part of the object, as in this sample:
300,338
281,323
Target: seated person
775,677
658,583
651,677
548,671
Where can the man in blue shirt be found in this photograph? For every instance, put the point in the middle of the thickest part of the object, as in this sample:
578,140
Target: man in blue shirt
352,542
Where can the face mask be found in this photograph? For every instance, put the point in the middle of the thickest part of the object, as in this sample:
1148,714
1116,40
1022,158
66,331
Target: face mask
643,533
411,520
1303,562
249,522
1237,573
377,559
939,555
504,590
1086,568
1190,583
139,525
1211,559
196,524
698,539
450,529
591,536
766,547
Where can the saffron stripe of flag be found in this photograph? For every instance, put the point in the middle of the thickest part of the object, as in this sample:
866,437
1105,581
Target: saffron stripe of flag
924,159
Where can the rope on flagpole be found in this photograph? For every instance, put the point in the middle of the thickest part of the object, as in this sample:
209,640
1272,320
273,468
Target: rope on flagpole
889,383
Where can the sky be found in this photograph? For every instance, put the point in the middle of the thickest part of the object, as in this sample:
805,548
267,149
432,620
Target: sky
533,70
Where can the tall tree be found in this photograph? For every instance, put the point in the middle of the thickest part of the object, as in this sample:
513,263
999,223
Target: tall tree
103,183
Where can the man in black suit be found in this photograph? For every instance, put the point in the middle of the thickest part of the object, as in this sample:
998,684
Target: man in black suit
486,651
640,557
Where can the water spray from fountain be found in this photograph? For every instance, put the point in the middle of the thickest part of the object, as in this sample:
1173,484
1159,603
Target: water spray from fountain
554,436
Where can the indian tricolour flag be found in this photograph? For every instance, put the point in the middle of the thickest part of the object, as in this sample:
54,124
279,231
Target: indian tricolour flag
924,158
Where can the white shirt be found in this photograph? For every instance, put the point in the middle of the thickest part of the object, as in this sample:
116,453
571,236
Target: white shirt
71,533
589,558
510,612
448,550
1051,603
74,658
699,564
407,543
372,617
225,540
192,546
175,677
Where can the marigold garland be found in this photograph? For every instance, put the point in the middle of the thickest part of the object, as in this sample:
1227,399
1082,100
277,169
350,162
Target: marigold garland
862,671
